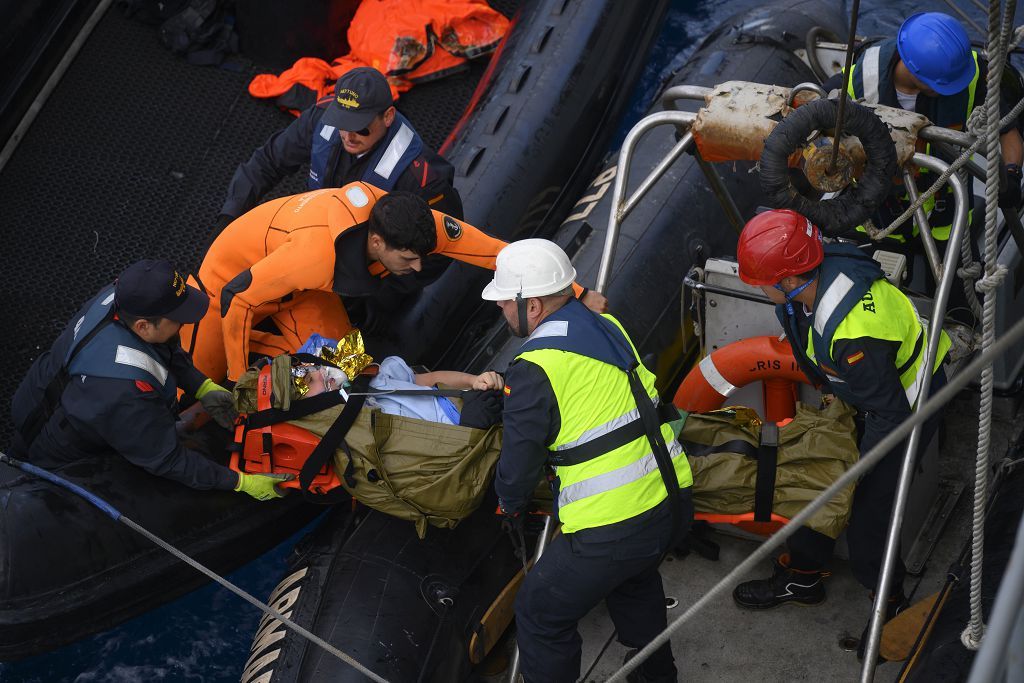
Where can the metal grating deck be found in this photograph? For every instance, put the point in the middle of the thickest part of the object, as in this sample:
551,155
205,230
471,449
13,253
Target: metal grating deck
129,159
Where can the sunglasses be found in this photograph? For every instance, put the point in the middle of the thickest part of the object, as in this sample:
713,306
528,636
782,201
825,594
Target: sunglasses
364,132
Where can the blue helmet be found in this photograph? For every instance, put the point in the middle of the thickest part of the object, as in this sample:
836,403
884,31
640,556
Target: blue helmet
935,49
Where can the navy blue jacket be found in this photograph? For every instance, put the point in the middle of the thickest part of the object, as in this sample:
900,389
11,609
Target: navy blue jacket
99,416
427,175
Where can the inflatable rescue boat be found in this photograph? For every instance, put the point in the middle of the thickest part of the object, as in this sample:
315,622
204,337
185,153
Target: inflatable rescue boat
430,610
142,174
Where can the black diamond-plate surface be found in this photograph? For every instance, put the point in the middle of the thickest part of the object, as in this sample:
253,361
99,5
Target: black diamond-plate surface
129,159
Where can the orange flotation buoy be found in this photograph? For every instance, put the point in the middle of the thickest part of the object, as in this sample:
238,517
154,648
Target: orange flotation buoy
708,385
757,359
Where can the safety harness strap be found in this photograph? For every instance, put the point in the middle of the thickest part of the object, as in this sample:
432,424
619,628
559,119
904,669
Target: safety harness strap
652,427
334,439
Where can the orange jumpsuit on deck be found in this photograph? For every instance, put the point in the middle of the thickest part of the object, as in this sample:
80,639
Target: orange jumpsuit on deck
289,260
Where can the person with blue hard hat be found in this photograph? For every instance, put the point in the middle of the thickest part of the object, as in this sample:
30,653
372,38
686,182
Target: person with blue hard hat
931,68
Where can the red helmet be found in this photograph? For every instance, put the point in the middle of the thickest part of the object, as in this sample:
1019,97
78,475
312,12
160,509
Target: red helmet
777,244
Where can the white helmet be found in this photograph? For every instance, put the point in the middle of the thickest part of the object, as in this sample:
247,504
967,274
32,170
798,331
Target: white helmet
532,267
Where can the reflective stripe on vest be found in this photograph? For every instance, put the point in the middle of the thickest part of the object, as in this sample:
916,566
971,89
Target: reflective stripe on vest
602,429
625,481
609,481
884,313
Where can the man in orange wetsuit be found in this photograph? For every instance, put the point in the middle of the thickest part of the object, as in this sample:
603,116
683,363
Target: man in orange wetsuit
289,260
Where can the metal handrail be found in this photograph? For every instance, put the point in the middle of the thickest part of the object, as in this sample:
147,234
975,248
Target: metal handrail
620,207
906,471
924,228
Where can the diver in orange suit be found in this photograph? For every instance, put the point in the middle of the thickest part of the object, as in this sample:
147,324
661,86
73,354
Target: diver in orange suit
289,260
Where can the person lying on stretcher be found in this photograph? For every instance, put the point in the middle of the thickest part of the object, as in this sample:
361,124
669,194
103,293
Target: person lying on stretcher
482,402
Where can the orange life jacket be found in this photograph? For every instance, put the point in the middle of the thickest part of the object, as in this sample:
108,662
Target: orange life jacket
418,40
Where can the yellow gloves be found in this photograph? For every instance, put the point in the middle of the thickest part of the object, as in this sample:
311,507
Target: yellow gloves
262,486
218,402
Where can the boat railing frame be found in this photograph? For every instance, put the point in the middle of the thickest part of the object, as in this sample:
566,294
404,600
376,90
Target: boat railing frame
622,205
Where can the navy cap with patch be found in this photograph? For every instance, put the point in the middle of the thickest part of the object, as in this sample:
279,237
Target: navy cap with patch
154,289
359,96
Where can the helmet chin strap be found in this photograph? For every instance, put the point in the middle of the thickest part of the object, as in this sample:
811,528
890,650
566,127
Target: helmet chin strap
793,294
522,329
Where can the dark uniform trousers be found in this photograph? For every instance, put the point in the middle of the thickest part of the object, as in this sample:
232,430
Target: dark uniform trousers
576,572
871,514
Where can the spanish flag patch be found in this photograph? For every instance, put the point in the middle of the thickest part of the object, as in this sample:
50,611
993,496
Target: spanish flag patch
855,358
507,390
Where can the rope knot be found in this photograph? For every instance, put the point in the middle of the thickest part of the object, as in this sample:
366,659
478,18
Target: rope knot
970,272
970,640
977,122
991,281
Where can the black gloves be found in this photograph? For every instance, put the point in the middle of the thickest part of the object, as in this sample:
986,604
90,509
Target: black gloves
482,409
1009,187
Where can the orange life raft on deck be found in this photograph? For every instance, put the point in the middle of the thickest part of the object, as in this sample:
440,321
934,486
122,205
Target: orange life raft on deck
707,386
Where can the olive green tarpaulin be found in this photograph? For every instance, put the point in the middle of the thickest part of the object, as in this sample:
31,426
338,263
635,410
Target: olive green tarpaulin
814,450
425,472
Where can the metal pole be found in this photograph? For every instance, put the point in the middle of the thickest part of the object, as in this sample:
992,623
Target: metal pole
51,83
907,470
684,92
951,137
658,171
842,92
721,192
618,210
923,227
542,545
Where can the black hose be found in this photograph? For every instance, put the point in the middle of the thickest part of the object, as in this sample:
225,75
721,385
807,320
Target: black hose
859,201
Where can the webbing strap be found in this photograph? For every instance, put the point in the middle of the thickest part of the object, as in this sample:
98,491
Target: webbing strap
767,461
767,456
616,438
299,409
331,441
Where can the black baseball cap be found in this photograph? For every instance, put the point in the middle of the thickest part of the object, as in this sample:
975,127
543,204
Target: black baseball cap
359,96
154,289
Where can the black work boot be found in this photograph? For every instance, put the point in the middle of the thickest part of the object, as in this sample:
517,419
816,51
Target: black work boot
666,670
896,604
785,585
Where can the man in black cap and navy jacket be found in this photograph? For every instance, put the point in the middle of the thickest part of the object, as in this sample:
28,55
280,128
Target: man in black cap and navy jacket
354,134
110,381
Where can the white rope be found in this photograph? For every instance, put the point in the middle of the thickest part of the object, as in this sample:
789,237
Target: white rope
849,478
999,35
